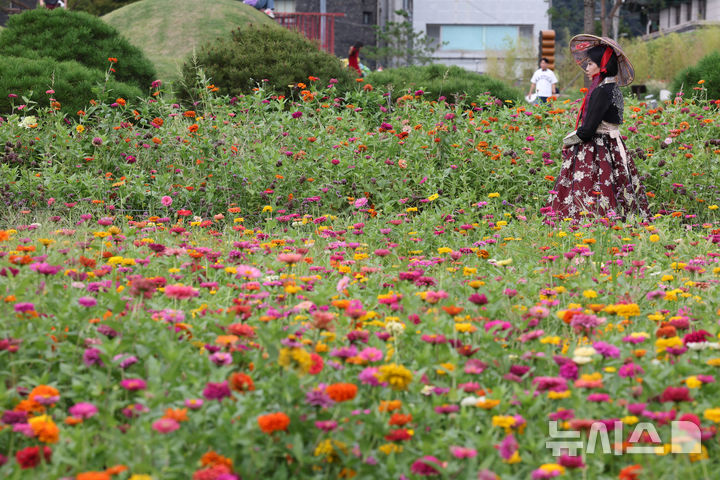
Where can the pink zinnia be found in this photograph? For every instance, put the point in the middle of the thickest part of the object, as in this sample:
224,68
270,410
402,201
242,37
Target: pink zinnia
371,354
83,410
166,201
194,403
133,384
87,301
426,466
326,425
217,391
165,425
369,376
290,258
463,452
478,299
181,292
23,307
507,447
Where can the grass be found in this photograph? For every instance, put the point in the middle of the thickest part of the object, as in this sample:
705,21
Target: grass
169,30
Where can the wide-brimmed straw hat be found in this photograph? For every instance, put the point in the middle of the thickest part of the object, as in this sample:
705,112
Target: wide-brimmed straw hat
580,44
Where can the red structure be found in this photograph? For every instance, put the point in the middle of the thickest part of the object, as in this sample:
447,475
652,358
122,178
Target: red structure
315,26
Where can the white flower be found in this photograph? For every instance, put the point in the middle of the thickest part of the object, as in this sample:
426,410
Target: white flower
584,352
27,122
427,390
394,328
581,360
471,401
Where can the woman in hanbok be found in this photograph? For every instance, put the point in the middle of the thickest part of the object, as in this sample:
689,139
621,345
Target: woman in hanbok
598,179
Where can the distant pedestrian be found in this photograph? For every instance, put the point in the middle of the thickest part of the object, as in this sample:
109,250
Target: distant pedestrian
354,58
543,82
267,6
52,4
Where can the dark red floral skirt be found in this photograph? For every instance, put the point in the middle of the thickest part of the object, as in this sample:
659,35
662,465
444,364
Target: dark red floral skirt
596,181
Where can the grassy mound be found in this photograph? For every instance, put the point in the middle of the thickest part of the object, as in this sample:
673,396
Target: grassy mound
168,30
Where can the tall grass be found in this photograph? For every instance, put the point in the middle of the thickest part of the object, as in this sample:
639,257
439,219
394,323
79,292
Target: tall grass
656,61
662,58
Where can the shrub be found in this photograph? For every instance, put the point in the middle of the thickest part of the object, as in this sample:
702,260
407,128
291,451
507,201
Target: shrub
65,35
708,69
74,84
452,82
253,53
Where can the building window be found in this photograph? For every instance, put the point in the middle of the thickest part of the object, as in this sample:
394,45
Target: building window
702,4
688,12
285,6
477,37
367,18
677,15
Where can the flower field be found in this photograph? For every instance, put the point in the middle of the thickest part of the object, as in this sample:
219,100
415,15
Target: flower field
357,287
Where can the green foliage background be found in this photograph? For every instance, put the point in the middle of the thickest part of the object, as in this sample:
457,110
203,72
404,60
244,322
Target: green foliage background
452,82
707,69
255,53
75,36
73,83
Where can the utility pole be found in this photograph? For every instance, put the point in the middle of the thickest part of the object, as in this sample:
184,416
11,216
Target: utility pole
589,24
323,27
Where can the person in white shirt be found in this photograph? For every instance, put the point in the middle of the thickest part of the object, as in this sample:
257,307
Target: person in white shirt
543,82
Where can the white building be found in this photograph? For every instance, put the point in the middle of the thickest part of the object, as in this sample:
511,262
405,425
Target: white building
472,33
688,14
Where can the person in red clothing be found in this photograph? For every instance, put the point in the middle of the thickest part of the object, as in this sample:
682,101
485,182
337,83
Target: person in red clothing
353,57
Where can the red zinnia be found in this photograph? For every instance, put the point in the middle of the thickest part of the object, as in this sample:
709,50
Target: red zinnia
317,364
676,394
30,457
398,435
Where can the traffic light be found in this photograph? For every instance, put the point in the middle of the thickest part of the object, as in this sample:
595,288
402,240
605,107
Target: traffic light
547,47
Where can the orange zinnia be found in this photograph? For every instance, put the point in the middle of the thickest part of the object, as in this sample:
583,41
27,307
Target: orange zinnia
452,310
389,405
30,406
44,392
630,473
399,419
116,469
213,458
45,429
342,392
93,476
177,414
273,422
